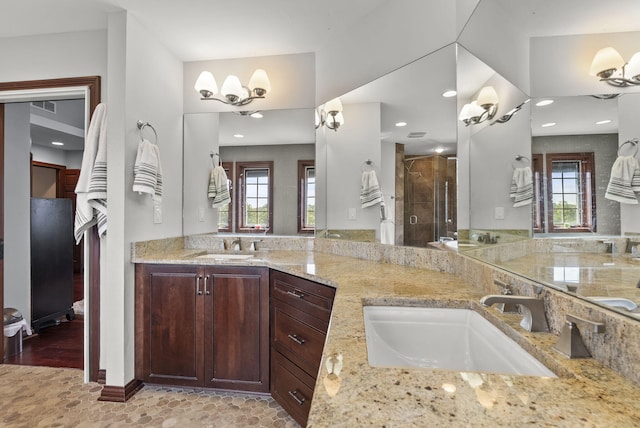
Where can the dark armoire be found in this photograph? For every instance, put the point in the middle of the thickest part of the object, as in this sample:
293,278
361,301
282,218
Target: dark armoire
51,261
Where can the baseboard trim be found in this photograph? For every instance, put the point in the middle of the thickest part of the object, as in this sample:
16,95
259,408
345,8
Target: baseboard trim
120,394
102,377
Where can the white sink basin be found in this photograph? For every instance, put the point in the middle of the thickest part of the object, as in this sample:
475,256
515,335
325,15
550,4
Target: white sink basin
445,338
226,256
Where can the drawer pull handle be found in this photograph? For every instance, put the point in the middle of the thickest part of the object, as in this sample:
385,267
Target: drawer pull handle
296,339
198,291
294,294
206,290
294,395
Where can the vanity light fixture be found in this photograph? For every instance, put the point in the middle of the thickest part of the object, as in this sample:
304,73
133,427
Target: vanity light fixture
482,109
232,90
508,115
330,115
610,67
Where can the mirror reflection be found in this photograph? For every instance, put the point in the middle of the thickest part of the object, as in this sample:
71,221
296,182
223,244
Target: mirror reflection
269,161
402,127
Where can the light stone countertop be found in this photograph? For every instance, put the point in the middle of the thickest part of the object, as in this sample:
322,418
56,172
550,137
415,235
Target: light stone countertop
586,393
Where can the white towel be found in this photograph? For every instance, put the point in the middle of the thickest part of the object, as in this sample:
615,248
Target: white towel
218,190
147,171
87,195
370,193
522,187
387,232
624,182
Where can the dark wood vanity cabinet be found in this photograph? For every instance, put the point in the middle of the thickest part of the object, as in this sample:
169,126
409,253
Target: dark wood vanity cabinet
300,314
203,326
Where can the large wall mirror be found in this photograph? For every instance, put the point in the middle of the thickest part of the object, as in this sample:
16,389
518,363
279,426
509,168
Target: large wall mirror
268,148
402,126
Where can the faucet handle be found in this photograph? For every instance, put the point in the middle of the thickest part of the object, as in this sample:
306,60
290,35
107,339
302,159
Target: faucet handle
570,342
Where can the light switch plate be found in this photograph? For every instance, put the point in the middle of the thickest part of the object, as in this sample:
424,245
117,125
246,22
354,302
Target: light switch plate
499,213
157,214
352,213
201,215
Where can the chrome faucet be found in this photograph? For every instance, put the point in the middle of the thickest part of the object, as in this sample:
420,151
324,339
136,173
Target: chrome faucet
236,244
531,308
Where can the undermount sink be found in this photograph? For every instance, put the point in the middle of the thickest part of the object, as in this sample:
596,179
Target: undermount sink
445,338
225,256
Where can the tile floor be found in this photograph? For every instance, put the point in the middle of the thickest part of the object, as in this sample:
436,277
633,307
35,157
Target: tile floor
33,397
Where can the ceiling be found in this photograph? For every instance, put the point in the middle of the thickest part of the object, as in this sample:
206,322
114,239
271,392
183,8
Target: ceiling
256,28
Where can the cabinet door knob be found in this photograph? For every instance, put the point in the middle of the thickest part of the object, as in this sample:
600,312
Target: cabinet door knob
296,339
296,294
198,291
294,395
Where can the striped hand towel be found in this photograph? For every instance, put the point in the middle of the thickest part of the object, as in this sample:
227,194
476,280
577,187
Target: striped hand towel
87,195
218,190
147,171
370,193
624,182
522,187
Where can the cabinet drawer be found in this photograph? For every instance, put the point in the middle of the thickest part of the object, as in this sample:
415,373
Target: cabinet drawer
297,340
311,297
291,387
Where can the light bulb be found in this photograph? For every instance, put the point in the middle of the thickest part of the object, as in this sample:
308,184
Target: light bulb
206,84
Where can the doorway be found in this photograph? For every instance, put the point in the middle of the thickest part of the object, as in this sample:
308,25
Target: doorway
89,89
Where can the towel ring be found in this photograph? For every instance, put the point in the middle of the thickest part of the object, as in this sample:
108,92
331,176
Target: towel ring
633,142
367,165
142,125
520,158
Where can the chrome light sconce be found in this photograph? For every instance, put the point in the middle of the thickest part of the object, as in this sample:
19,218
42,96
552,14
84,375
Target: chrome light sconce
482,109
610,67
232,90
330,115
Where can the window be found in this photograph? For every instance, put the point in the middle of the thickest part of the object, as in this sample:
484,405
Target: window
570,192
306,196
255,190
538,193
225,213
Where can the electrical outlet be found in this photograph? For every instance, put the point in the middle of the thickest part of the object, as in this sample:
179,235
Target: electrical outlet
157,214
201,215
499,213
352,214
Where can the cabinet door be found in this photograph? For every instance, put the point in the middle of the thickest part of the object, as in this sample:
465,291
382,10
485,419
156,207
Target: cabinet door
173,325
237,329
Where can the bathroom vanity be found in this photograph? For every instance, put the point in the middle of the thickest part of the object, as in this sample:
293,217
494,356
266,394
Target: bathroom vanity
585,393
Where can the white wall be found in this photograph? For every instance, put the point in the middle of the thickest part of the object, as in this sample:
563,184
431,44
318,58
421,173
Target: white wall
200,139
145,84
393,35
70,158
17,206
356,141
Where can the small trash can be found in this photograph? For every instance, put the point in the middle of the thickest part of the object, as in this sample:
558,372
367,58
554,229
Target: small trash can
13,323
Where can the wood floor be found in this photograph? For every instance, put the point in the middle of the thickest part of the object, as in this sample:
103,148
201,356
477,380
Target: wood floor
60,345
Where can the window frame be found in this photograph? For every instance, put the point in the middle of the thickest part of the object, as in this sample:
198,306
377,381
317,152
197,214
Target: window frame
240,169
537,163
303,165
587,175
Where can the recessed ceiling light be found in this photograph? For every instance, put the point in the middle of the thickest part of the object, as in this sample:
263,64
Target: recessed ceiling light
602,122
257,115
399,124
450,93
546,125
238,135
57,143
439,150
544,103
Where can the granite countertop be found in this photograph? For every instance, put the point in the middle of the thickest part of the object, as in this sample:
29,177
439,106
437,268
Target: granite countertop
585,394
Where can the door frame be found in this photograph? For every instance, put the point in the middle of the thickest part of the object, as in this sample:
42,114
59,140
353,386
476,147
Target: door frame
92,263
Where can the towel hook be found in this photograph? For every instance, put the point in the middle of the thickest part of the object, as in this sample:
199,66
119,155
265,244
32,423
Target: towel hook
367,165
633,142
219,159
520,158
142,125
